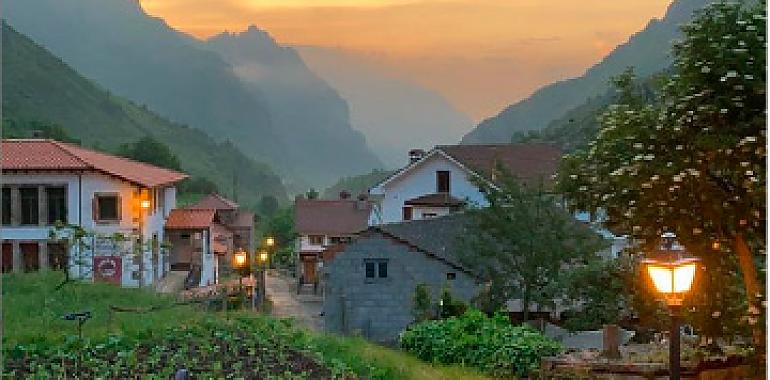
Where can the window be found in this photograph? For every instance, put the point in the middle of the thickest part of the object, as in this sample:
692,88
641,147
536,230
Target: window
375,269
107,207
428,215
6,206
29,205
442,181
316,239
451,276
57,204
407,213
162,200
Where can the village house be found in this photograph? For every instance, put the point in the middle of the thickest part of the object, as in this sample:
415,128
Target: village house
441,181
237,225
321,224
370,283
204,235
46,181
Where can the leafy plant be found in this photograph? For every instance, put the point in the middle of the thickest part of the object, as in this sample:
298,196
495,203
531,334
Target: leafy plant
492,345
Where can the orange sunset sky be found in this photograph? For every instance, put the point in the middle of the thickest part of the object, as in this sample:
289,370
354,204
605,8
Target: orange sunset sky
480,54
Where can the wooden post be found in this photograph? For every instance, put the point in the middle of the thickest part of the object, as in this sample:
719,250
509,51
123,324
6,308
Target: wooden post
42,206
611,341
42,255
18,263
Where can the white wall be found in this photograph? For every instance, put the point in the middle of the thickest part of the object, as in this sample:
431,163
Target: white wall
305,246
421,180
80,193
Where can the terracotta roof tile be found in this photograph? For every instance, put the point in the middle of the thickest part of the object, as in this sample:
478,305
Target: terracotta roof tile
523,161
186,219
331,217
216,202
39,154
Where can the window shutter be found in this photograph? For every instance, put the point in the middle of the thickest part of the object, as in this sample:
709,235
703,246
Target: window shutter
95,208
119,205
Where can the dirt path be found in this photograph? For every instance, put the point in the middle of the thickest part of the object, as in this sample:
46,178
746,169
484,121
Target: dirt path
286,303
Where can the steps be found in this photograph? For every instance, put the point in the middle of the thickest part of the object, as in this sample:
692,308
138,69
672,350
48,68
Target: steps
173,282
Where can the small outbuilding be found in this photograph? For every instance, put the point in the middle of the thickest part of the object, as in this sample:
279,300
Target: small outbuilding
370,282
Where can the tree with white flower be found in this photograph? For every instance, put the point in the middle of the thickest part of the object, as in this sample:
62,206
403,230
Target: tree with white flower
693,162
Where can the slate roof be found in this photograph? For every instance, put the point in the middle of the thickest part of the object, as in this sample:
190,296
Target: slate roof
523,161
331,217
52,155
437,199
214,201
439,237
187,219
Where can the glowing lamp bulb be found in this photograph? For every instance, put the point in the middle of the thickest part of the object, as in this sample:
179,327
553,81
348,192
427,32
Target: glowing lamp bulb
144,204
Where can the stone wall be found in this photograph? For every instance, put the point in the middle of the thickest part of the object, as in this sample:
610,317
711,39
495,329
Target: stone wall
381,308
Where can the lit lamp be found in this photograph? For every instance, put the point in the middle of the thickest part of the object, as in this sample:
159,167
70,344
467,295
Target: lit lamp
672,272
144,204
239,259
270,241
263,257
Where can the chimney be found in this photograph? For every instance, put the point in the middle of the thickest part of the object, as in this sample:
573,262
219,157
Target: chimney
415,155
344,194
362,202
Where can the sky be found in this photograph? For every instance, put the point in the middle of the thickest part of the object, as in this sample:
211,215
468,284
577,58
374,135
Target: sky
480,54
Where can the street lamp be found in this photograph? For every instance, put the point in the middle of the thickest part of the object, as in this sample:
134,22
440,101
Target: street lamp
270,241
263,257
144,205
240,263
672,272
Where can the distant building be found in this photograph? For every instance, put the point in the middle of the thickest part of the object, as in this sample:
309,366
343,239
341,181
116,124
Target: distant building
442,181
45,181
370,283
204,236
324,223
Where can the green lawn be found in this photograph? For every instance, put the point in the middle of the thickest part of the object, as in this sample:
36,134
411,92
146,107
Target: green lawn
36,336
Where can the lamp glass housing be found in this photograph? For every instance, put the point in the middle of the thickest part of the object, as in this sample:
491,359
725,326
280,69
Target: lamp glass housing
270,241
144,204
263,256
239,259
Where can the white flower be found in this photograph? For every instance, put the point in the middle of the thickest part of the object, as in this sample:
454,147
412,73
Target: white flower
705,69
677,178
732,74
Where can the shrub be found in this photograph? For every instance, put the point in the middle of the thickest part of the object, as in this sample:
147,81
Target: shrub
492,345
422,303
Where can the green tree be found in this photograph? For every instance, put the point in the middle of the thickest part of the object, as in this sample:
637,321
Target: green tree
198,185
521,243
693,162
268,205
149,150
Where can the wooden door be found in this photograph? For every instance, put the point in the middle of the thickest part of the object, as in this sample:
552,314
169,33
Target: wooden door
30,258
7,257
309,271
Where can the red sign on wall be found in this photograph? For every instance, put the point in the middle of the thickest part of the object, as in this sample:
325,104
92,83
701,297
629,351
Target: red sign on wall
108,269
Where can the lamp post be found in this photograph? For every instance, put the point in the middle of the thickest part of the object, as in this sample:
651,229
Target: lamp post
672,272
144,205
240,262
263,260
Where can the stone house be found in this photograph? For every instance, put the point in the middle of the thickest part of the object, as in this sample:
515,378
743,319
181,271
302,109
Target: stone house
47,181
369,284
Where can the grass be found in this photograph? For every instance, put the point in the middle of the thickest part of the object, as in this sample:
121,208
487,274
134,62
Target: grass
32,311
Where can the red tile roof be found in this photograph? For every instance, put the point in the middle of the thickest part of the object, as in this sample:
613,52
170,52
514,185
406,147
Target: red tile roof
214,201
523,161
437,199
46,155
331,217
186,219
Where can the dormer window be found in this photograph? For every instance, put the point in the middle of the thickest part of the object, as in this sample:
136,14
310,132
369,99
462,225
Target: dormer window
442,181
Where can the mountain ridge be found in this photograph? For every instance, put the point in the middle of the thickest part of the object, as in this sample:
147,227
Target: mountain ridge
642,50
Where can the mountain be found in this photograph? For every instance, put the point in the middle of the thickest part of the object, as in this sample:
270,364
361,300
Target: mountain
116,44
358,184
394,114
39,90
312,117
647,51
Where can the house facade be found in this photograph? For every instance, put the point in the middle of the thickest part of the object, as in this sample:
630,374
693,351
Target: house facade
122,204
321,224
233,228
370,283
443,180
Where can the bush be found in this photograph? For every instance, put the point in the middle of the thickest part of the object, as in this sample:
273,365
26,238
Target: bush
492,345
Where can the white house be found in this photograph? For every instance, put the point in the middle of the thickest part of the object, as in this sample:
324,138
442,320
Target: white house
116,200
441,181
